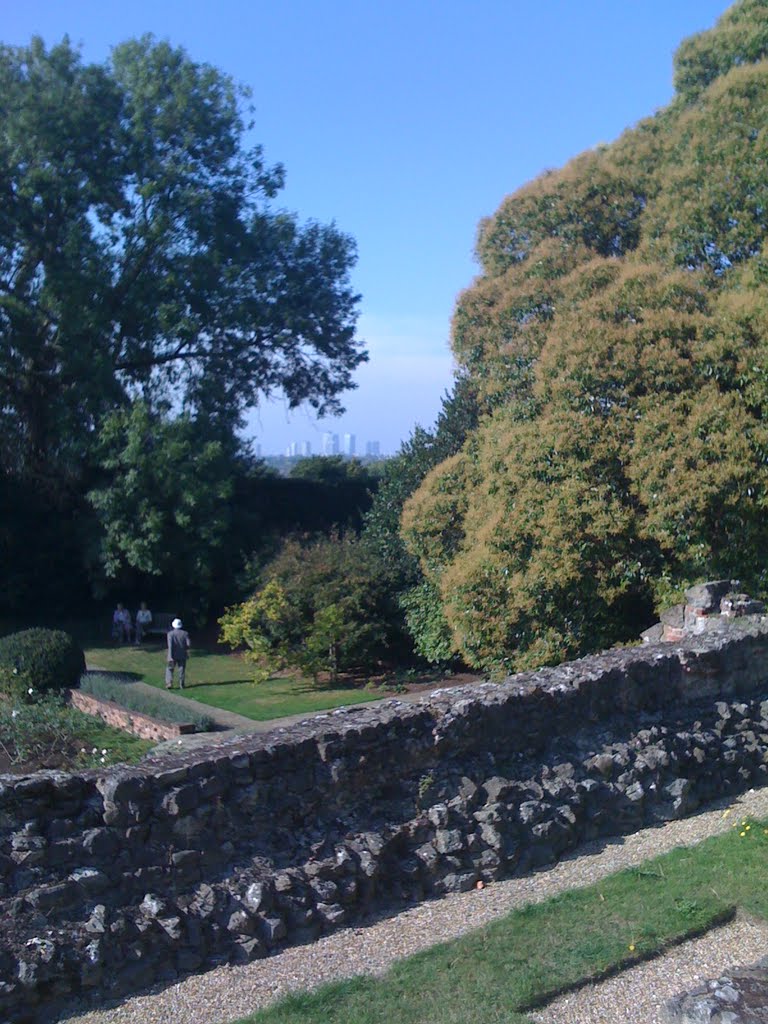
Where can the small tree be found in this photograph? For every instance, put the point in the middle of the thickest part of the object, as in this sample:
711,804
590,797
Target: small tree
258,624
324,605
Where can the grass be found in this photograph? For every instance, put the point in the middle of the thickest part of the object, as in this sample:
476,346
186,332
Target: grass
495,974
122,748
223,681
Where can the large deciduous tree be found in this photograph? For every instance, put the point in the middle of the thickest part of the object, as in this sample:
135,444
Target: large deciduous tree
140,257
618,335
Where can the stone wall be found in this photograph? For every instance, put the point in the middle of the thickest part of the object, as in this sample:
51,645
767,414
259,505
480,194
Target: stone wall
115,880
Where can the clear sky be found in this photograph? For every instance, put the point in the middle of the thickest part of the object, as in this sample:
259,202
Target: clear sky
405,122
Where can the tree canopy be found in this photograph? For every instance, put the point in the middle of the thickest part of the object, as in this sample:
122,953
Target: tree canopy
140,257
617,336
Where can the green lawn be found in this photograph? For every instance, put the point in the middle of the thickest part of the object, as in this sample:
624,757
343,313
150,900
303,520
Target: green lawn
223,681
121,747
496,974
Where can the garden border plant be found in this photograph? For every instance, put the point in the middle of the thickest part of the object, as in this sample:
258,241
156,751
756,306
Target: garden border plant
110,687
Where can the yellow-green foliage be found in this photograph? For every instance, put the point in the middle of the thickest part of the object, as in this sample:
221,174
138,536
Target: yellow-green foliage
255,625
619,334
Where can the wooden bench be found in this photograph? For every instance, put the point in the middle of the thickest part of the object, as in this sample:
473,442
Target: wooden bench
161,624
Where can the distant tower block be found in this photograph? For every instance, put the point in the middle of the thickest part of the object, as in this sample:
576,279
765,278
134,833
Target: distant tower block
349,444
372,448
305,448
330,444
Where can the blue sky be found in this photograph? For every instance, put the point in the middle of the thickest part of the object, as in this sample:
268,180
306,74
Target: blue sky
405,122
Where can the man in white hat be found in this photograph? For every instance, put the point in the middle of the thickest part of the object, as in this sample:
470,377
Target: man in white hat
178,648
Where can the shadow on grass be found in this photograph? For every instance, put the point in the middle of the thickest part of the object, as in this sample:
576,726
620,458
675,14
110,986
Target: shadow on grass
200,684
119,677
272,687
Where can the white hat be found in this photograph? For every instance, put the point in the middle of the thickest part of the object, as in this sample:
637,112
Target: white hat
176,623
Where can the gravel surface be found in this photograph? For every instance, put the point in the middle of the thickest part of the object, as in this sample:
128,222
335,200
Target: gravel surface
228,993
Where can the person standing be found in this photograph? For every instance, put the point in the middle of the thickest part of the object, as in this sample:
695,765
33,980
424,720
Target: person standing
178,649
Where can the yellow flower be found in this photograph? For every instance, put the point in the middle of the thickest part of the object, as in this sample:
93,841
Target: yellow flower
631,947
748,827
726,813
742,833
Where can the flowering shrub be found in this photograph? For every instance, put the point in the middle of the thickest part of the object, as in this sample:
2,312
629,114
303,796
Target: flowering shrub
37,661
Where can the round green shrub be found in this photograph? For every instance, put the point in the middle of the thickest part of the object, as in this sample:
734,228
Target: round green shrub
39,660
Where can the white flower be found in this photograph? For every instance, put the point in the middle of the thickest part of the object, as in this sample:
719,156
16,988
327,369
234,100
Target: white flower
30,690
14,713
102,759
83,750
104,752
94,751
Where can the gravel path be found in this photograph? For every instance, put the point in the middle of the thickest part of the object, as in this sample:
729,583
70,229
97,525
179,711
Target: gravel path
227,993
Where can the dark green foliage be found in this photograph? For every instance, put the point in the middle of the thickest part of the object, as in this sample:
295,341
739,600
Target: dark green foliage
143,265
42,540
331,469
401,476
426,623
39,660
163,503
108,687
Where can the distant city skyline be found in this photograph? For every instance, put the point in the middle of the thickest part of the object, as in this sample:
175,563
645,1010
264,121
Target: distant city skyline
330,444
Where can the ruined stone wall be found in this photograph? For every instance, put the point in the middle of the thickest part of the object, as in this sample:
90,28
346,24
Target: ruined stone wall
115,880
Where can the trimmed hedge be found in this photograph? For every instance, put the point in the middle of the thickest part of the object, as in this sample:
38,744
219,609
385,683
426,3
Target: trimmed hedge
40,661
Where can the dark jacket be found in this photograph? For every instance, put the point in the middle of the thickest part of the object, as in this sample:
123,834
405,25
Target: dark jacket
178,645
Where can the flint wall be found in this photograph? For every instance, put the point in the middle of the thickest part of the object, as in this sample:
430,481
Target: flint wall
112,881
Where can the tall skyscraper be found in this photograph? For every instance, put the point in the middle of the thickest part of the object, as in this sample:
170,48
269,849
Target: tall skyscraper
330,444
305,448
372,448
349,444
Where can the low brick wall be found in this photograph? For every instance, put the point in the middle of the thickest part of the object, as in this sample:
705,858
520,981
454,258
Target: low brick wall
145,726
114,880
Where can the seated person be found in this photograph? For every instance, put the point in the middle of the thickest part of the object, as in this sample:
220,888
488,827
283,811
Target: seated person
121,624
143,621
